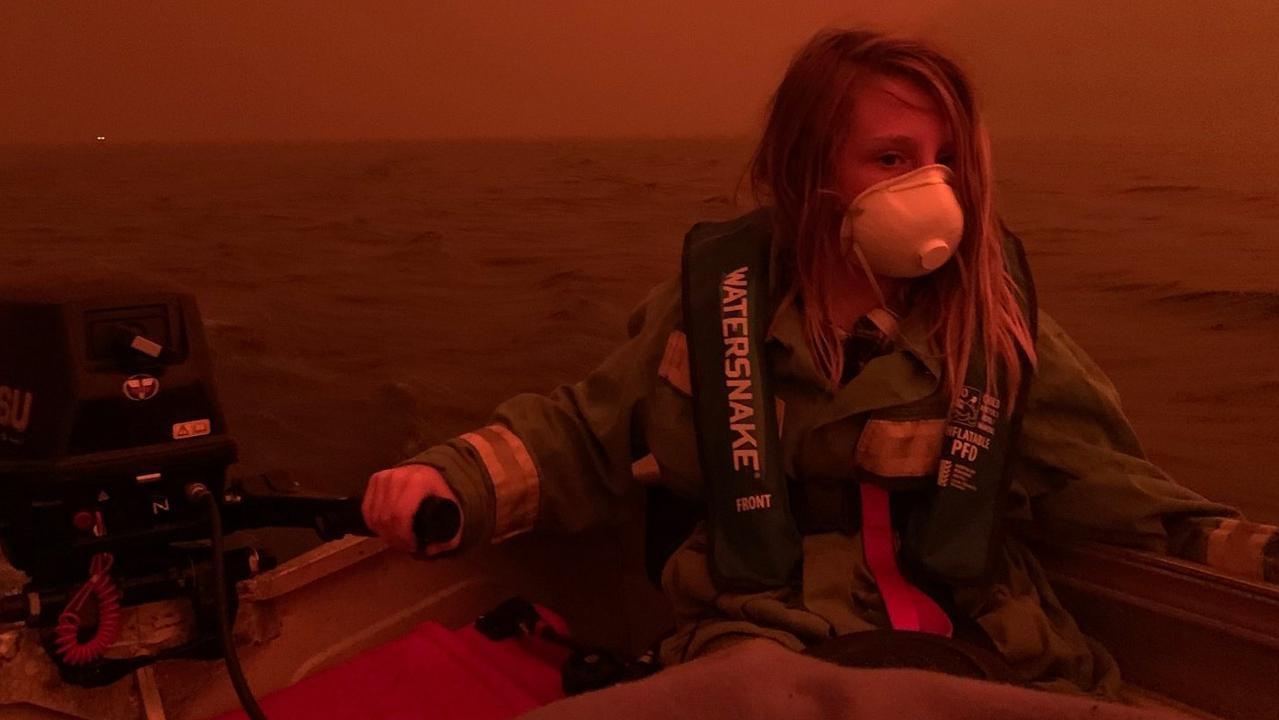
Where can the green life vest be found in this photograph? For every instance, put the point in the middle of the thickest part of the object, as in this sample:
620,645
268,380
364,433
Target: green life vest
954,529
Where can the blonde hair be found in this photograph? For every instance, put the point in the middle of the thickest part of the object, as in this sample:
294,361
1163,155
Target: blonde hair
795,165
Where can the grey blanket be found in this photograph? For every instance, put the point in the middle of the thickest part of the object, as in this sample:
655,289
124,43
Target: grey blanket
760,679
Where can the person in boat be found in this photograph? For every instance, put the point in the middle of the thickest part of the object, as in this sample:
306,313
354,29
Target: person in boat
910,409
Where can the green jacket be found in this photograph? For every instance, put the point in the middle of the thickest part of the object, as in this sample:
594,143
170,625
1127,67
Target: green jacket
563,461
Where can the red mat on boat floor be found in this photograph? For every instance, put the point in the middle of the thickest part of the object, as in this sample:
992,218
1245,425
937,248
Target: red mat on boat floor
432,673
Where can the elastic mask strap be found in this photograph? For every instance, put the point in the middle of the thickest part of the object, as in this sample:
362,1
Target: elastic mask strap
861,257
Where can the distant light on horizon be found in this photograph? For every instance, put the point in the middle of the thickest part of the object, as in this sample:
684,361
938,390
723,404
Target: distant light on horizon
102,138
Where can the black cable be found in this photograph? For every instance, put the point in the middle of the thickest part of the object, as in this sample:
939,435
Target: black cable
198,491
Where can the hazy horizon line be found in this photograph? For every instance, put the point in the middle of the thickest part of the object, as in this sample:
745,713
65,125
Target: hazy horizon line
373,140
1095,135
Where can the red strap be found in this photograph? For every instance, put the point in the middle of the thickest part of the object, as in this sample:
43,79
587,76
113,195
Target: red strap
908,607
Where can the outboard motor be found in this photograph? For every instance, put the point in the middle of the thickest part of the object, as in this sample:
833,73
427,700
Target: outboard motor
114,490
108,413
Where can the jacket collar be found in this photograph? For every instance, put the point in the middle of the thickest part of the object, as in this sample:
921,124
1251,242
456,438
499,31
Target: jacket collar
910,372
911,338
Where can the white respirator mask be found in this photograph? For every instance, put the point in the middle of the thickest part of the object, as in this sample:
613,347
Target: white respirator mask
906,226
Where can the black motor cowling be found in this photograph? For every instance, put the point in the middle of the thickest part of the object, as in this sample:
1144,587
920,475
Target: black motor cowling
112,443
107,412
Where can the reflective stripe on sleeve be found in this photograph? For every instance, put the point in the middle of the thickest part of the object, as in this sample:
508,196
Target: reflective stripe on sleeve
1239,548
516,485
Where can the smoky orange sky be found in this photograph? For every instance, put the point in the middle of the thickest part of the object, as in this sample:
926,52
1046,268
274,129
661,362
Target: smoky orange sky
231,70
